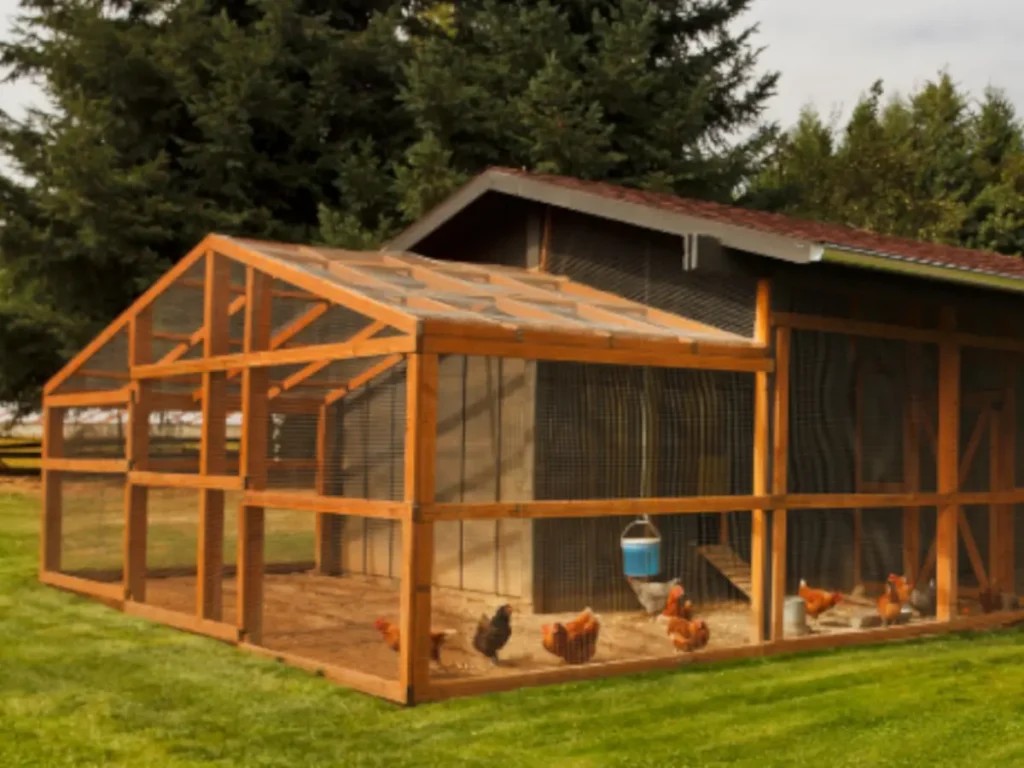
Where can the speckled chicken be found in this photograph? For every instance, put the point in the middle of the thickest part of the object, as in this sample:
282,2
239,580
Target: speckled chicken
652,594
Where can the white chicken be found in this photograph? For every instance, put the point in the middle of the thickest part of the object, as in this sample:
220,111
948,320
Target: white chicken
652,594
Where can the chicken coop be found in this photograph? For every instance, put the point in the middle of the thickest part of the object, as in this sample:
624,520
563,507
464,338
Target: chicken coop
358,462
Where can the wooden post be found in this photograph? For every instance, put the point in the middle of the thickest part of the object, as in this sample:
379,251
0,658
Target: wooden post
418,537
780,469
946,550
328,527
212,448
252,458
912,455
136,497
858,469
1002,554
53,513
762,454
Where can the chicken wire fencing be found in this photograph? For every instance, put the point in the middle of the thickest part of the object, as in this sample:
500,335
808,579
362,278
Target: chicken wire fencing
554,572
92,525
863,415
328,581
517,430
343,434
94,433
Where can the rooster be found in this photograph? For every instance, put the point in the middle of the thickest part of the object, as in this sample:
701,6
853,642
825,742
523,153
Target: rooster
818,601
492,634
393,637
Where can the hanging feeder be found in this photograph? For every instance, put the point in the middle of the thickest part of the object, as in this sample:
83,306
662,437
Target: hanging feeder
641,555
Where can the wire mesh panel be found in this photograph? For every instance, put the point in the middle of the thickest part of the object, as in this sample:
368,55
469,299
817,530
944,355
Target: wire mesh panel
95,433
627,432
105,369
341,432
92,525
172,541
577,566
863,415
839,570
329,614
720,292
178,317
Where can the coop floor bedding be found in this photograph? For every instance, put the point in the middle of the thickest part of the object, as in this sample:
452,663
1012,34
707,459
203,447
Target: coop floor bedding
331,620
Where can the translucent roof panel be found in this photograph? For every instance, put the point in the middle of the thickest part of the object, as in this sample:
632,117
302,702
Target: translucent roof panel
487,294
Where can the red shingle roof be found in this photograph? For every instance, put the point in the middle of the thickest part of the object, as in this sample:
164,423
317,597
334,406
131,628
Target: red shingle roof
800,229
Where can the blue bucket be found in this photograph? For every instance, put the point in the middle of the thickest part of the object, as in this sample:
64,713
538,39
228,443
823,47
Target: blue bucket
641,556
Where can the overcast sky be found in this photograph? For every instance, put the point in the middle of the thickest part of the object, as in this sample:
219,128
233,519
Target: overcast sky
829,52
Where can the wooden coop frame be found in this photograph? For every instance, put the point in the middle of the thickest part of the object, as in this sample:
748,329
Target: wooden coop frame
482,311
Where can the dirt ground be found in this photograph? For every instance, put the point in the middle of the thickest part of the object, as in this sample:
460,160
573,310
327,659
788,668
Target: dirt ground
331,620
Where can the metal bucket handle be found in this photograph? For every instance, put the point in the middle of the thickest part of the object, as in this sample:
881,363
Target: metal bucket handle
642,520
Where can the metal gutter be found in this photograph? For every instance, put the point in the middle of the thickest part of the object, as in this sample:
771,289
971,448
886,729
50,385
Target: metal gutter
832,254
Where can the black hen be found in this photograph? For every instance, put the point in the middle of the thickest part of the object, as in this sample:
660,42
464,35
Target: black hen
492,634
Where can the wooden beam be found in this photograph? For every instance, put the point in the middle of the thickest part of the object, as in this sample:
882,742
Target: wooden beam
86,466
110,593
948,470
417,535
912,451
656,353
219,483
136,497
449,689
315,284
1002,536
364,378
194,624
973,444
780,469
315,367
253,452
328,526
291,356
53,512
355,679
199,335
119,325
338,505
106,398
212,447
977,563
762,462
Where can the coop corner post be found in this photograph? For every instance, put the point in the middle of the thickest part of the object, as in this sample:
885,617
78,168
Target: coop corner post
418,536
253,459
52,513
780,485
946,569
212,448
136,496
762,452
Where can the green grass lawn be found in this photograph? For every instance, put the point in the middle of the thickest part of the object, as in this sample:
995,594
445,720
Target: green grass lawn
81,685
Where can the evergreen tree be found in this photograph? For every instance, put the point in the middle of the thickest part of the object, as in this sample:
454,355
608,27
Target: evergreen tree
930,166
339,121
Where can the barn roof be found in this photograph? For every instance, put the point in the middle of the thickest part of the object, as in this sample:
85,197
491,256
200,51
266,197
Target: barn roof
766,234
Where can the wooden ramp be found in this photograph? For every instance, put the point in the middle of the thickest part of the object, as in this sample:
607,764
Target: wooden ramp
725,560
